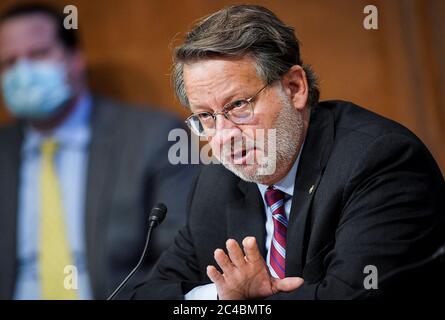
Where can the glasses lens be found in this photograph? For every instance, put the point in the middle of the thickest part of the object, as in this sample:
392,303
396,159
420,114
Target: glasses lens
195,125
241,112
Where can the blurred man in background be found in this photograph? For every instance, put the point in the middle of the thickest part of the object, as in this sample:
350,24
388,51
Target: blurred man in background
78,173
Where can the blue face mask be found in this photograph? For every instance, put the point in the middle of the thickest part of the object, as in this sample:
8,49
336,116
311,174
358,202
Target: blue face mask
35,90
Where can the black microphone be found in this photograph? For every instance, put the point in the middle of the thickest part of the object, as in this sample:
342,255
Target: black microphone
157,215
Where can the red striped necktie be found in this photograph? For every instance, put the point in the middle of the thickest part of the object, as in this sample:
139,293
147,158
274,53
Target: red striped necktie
277,259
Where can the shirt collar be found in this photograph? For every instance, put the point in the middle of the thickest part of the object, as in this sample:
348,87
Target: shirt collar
287,183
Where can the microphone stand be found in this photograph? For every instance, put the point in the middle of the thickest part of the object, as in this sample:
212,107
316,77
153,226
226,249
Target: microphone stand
156,217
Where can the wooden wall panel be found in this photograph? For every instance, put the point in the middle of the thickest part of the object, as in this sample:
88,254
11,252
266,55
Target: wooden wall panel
397,71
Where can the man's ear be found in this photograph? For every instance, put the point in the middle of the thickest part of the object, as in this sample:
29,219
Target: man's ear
296,87
79,62
77,69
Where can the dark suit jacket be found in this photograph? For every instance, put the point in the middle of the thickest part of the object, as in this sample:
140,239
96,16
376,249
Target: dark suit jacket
128,172
378,199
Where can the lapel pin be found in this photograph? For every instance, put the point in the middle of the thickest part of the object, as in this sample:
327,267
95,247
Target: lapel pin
311,189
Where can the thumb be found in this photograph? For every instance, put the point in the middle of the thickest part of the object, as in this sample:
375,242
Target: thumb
288,284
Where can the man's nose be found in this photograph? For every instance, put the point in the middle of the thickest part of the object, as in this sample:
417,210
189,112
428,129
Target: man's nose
225,130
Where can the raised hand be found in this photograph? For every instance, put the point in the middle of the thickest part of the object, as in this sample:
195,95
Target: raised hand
245,274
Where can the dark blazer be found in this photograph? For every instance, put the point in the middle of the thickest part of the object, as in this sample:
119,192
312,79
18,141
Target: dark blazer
128,172
377,199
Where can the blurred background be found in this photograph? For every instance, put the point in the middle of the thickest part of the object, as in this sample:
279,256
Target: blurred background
397,71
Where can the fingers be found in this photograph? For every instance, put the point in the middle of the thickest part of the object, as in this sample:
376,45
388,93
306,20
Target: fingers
287,284
236,258
251,250
235,253
214,275
223,261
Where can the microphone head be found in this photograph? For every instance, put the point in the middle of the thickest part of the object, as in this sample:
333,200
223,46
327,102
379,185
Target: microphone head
157,214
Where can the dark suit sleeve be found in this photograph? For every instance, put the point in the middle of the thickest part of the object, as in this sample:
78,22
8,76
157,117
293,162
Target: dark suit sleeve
392,210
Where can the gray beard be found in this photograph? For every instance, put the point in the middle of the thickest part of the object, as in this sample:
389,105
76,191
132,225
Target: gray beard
289,129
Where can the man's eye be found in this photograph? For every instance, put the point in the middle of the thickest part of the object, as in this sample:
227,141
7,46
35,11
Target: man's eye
238,104
204,116
40,53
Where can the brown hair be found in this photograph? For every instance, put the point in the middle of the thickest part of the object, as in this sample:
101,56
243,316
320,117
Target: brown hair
238,31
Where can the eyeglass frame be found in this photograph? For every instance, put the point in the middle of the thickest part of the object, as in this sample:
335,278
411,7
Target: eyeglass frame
225,110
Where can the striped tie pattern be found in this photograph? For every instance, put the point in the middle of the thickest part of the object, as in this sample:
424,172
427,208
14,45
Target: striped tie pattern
277,258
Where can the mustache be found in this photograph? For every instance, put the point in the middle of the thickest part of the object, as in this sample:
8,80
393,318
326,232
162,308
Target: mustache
239,146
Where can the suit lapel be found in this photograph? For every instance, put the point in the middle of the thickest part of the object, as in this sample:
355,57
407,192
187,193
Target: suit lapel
99,192
317,147
9,186
246,216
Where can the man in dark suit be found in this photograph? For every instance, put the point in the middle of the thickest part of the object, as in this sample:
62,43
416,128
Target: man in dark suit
109,165
332,200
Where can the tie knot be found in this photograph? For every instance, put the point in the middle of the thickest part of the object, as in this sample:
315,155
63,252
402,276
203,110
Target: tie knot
49,147
273,196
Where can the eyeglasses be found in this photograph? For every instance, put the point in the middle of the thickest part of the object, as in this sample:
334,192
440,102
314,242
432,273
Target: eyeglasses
239,112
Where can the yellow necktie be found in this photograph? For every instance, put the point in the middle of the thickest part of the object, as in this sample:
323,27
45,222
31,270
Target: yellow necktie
55,253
